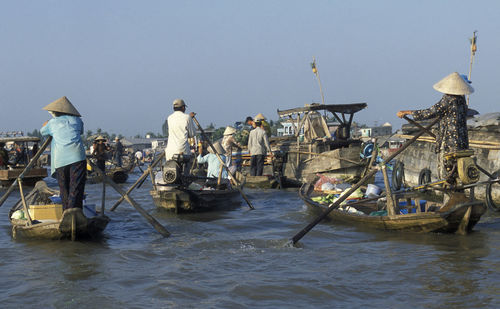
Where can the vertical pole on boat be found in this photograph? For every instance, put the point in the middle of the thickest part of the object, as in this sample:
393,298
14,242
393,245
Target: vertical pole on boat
298,140
473,49
25,206
73,225
220,175
26,169
391,211
103,197
315,71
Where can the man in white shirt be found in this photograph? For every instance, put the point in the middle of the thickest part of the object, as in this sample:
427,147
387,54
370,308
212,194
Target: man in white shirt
258,146
180,128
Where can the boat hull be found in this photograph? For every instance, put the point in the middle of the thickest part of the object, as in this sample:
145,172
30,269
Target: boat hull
185,200
83,227
460,219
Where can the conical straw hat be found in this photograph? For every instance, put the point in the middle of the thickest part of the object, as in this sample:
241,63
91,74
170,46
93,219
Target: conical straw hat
100,137
218,148
259,117
453,84
62,105
229,130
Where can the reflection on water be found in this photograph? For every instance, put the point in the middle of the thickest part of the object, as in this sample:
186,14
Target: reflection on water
243,258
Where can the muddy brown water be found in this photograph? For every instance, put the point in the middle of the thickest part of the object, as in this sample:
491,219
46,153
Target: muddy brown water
242,259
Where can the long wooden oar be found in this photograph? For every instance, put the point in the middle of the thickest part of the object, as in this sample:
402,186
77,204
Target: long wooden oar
342,198
418,125
233,178
157,226
26,169
144,175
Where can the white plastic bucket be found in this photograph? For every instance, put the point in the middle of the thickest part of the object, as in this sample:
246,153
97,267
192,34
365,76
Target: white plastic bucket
372,190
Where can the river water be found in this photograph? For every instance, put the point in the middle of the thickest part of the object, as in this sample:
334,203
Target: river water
242,259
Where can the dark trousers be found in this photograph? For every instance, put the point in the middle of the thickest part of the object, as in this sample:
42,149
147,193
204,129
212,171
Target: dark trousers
71,179
256,165
118,159
101,164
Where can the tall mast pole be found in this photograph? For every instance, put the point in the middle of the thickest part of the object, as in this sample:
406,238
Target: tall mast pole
315,71
473,49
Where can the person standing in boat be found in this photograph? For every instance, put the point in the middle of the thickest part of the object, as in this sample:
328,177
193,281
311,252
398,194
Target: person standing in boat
180,128
452,132
228,142
67,155
258,146
118,152
100,152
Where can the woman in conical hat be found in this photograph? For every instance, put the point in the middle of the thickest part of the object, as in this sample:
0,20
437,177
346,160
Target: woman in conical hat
452,108
100,152
63,106
68,160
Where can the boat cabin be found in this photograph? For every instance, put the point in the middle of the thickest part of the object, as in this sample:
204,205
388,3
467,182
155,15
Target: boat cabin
20,150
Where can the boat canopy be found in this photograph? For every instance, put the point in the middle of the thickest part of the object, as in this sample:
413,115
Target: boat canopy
332,108
314,124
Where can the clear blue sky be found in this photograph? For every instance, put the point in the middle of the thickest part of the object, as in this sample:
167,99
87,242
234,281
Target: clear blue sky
122,63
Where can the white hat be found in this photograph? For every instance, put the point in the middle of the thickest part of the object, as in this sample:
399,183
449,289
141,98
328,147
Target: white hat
179,103
100,137
229,130
259,117
453,84
218,148
62,105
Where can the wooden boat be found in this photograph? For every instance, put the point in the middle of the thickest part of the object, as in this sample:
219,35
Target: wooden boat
179,198
312,145
118,174
36,173
73,223
460,215
261,182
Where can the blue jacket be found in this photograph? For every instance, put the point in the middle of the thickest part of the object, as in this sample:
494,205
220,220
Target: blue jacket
213,165
66,146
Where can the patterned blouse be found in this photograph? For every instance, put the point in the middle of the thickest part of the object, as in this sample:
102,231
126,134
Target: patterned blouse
452,128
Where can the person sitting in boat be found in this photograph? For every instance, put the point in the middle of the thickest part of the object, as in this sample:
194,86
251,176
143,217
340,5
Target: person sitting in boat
100,152
214,166
68,161
228,142
20,154
139,157
4,157
180,128
258,146
452,108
